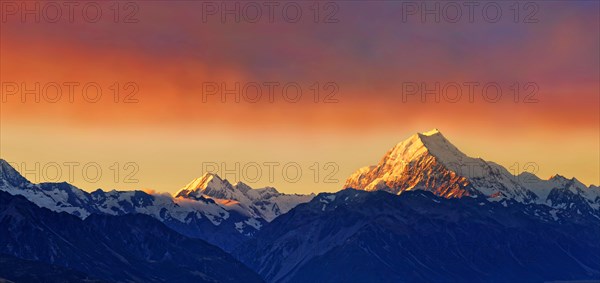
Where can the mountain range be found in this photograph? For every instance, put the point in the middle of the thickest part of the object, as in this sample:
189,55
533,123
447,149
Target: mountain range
425,213
208,208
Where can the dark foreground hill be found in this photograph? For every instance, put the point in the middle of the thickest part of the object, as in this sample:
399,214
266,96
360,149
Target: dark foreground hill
124,248
358,236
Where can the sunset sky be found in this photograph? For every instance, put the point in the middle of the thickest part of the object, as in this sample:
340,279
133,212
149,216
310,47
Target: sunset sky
371,54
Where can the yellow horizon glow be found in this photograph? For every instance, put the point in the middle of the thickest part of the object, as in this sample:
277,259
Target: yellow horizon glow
168,159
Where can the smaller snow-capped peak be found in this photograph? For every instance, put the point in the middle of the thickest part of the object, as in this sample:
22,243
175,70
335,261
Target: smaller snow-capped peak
266,203
209,184
206,181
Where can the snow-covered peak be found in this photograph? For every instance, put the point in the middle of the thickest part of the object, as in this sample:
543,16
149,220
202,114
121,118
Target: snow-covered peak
432,132
268,191
443,149
431,146
241,186
561,182
428,161
432,142
10,175
560,179
266,203
208,180
209,184
423,161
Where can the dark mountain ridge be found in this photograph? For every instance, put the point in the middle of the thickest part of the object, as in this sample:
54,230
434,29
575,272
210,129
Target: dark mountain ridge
124,248
357,236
